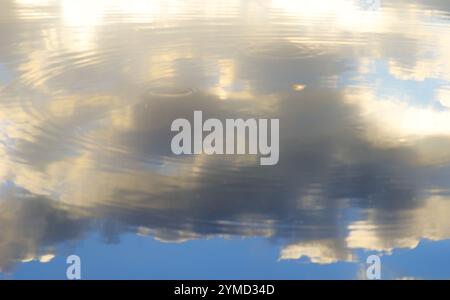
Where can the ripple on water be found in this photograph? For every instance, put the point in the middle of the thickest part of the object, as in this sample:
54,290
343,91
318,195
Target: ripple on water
169,91
285,50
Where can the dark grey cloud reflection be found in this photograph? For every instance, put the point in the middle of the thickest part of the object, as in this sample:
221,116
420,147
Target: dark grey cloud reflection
32,226
327,165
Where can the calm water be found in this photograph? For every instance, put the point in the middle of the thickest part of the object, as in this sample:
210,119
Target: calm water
89,89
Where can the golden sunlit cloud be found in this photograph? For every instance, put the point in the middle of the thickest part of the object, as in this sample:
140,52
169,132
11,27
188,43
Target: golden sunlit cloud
319,252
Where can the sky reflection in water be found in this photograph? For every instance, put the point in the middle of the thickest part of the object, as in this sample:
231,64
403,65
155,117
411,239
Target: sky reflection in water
88,90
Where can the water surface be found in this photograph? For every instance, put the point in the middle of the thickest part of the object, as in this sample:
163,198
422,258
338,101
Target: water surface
89,89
